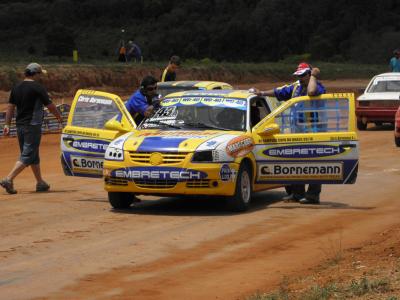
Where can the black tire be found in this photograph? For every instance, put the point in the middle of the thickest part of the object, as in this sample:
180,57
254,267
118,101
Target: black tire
397,141
378,123
288,189
240,201
361,125
120,200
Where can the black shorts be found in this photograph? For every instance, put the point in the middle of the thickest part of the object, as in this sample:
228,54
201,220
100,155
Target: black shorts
29,140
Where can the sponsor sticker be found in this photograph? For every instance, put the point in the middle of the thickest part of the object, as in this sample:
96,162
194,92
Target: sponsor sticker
158,173
304,151
240,146
299,171
225,173
94,99
96,146
87,164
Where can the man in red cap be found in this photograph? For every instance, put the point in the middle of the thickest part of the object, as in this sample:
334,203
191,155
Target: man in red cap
305,85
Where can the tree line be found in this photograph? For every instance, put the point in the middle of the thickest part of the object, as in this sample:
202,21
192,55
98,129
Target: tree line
221,30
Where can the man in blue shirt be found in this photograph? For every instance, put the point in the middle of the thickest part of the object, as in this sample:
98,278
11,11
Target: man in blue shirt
141,104
395,61
306,85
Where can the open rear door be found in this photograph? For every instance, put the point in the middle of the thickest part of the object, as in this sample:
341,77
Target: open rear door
85,138
308,140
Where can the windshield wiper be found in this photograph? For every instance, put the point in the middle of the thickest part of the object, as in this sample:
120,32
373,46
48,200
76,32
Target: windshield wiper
162,123
204,125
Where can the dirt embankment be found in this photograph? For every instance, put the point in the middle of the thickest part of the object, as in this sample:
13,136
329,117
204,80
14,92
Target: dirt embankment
62,81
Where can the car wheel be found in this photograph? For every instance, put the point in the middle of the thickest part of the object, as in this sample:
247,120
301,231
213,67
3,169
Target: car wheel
378,123
120,200
397,141
243,190
361,125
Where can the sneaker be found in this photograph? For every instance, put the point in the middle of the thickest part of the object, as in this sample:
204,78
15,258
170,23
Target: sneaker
8,185
292,198
310,199
42,187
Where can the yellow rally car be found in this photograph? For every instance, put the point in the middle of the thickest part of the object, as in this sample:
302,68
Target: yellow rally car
169,87
222,142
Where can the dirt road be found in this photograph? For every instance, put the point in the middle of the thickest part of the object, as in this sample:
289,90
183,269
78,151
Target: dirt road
69,244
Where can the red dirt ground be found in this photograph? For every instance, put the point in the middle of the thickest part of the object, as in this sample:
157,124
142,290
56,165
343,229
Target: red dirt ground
69,244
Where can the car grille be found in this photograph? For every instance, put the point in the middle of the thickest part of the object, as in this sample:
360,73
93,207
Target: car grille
115,181
168,157
155,183
198,183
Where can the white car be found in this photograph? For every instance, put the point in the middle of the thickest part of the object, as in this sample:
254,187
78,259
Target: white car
380,101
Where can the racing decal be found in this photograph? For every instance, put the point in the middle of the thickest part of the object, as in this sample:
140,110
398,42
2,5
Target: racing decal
188,134
300,171
95,99
206,101
226,173
240,146
87,145
304,151
158,173
214,142
87,164
156,143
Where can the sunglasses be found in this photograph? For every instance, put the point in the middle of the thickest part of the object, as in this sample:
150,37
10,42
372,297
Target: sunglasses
149,89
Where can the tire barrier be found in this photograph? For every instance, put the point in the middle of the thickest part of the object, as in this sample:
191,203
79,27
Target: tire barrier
50,123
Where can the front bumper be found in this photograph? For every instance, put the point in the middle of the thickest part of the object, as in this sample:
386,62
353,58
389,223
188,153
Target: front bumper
216,182
376,114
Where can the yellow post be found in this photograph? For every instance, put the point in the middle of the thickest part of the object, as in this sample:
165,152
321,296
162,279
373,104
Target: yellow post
75,56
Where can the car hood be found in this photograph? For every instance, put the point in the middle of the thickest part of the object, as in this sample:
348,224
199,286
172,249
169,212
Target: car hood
182,141
379,96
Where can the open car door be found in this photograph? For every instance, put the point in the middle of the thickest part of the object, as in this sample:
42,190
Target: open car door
308,140
95,119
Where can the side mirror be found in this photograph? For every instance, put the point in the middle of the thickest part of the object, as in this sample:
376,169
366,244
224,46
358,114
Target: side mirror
270,130
113,124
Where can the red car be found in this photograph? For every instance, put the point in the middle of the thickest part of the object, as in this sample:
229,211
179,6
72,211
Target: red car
380,101
397,128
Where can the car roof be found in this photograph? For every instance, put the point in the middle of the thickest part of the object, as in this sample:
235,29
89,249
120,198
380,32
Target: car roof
391,74
188,84
241,94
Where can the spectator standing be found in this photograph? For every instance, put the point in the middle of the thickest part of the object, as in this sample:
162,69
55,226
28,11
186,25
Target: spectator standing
394,63
306,85
133,51
142,103
28,97
169,73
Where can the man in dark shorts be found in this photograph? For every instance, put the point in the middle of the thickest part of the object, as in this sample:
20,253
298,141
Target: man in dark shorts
169,73
28,97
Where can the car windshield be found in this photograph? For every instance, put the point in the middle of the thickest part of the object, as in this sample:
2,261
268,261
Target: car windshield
384,85
199,113
165,90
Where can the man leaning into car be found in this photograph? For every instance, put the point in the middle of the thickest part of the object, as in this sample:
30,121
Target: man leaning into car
306,85
142,103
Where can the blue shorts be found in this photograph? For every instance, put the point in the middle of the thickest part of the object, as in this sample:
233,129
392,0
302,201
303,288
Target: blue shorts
29,140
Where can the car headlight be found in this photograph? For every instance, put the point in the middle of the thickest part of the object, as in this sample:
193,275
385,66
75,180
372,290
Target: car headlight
114,154
203,156
211,156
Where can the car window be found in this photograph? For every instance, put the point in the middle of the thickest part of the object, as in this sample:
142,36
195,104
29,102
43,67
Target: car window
93,112
258,110
198,113
381,86
330,115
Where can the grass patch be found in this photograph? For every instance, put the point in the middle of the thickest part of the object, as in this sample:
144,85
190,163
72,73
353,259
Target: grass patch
356,288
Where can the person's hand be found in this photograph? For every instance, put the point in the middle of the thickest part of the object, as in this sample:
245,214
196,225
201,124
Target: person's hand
315,72
147,113
256,91
6,130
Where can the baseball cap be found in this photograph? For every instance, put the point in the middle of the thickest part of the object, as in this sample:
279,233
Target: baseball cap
302,68
35,68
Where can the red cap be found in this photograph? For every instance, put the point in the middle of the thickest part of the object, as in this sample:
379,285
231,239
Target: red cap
302,68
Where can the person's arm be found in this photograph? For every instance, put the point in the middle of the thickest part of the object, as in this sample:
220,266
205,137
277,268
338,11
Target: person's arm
9,115
53,109
269,93
312,87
